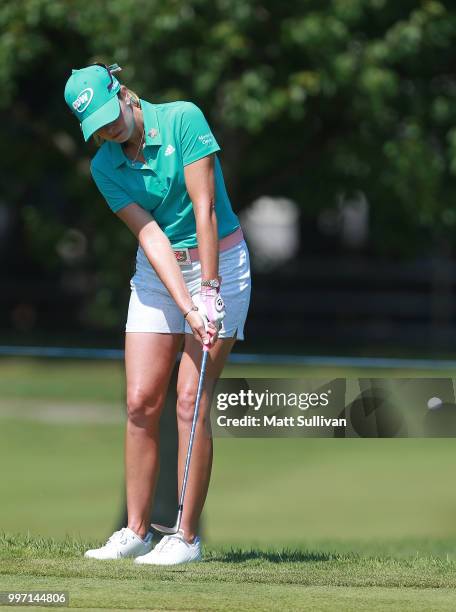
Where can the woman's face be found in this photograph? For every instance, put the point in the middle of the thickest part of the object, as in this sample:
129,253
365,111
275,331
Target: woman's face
122,128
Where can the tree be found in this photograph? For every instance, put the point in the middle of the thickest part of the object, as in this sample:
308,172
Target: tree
308,100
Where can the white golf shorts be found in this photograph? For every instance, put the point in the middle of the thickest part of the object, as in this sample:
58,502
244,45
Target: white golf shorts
152,309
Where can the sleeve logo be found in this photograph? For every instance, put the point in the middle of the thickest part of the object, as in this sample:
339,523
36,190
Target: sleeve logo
206,139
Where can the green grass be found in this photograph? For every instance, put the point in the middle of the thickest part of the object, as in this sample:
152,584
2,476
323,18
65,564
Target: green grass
67,478
103,381
236,579
289,524
49,379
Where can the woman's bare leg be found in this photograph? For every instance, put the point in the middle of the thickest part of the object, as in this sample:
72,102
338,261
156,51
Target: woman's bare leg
201,461
149,362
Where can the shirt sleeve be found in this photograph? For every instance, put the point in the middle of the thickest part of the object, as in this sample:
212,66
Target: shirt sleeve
197,139
114,195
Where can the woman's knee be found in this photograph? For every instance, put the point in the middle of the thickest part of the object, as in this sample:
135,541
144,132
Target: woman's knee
144,407
186,399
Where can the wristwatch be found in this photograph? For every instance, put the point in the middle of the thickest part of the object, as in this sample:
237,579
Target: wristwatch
214,283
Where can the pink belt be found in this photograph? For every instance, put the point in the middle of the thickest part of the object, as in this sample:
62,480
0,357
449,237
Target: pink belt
187,256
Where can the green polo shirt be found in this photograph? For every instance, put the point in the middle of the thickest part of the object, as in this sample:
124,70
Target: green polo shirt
176,134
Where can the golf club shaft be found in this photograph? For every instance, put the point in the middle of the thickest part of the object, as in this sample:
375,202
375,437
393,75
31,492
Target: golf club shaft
192,433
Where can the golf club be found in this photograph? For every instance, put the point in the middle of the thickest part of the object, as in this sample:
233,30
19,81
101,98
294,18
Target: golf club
175,529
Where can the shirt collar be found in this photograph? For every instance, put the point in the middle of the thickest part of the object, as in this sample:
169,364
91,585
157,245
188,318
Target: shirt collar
152,130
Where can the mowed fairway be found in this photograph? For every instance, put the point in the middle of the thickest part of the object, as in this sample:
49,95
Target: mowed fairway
289,523
243,579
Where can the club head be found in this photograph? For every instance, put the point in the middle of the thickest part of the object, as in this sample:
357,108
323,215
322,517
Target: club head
165,530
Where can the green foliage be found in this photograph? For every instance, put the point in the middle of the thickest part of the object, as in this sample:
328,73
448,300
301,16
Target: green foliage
308,99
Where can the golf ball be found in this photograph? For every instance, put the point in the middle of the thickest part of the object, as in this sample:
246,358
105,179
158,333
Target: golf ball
434,403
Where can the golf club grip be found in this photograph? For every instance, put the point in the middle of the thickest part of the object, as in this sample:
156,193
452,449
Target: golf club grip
206,347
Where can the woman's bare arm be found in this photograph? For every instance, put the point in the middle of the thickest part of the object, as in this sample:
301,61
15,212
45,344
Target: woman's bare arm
200,183
158,251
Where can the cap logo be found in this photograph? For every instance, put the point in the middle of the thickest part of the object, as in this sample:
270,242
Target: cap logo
83,100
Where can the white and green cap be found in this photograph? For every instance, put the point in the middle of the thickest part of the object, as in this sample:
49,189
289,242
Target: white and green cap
91,94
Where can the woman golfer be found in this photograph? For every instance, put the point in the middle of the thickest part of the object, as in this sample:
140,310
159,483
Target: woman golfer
158,172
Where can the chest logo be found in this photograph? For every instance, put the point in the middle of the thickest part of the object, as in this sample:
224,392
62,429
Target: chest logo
169,150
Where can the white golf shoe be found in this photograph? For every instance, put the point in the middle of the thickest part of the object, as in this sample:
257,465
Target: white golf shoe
172,550
122,544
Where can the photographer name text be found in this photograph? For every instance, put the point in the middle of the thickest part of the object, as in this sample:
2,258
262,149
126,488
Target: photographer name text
275,421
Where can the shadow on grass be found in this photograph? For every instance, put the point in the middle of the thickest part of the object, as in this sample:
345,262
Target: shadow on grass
284,556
